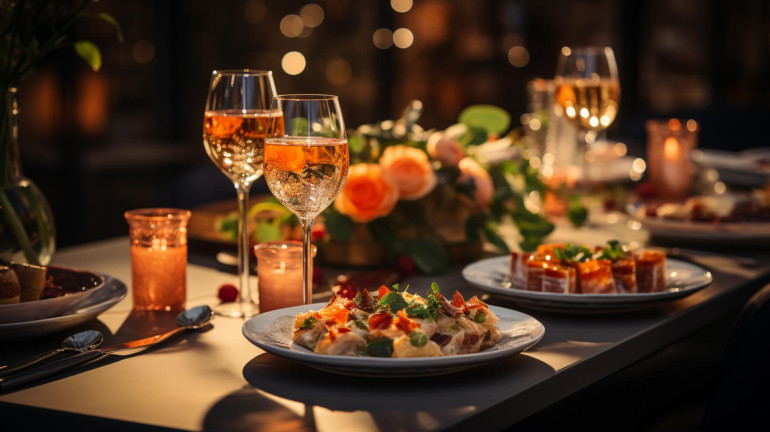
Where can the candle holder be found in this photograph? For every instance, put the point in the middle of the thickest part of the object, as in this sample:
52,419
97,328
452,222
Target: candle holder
669,168
279,274
158,258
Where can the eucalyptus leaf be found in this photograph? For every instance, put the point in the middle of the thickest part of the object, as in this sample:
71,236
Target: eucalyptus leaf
89,52
487,117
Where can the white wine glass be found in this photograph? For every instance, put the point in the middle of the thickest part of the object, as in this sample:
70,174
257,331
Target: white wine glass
306,162
235,125
588,93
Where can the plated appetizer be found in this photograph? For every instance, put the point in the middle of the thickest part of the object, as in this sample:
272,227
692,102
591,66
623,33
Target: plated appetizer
397,324
714,209
570,269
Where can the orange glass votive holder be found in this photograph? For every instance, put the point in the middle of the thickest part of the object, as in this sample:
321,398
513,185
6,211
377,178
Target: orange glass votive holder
669,168
158,258
279,274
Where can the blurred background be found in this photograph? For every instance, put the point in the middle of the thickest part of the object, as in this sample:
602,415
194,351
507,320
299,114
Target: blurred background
129,136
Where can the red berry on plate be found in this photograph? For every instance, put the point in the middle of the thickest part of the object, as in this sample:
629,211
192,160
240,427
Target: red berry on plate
227,293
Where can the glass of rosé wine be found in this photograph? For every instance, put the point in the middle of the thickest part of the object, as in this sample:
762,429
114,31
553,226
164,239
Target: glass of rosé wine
235,125
306,161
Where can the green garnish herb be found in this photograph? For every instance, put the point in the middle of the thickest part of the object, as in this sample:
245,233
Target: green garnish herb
380,348
360,324
573,253
613,251
395,287
434,287
418,338
308,323
417,309
394,301
480,318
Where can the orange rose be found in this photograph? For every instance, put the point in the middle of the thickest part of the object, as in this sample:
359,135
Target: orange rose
368,193
469,168
410,169
445,148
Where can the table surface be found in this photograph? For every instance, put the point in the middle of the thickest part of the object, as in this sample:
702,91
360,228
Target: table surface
218,380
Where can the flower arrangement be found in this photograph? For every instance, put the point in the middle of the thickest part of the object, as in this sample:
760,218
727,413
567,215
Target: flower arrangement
420,199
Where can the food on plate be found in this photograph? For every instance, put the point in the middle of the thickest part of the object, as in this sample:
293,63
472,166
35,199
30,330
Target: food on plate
570,269
10,290
32,280
397,324
727,208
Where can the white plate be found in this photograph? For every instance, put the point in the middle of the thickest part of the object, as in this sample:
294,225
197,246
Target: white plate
272,332
56,306
738,168
111,293
682,230
492,274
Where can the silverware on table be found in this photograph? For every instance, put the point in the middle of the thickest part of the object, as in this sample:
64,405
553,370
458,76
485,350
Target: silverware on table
79,342
191,319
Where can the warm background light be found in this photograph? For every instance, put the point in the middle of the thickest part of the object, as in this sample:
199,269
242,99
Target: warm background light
293,63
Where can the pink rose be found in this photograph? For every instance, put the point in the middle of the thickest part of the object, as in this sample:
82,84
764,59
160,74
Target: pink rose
411,170
369,193
485,188
445,148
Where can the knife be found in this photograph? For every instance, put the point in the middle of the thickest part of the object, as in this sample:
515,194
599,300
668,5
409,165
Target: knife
192,319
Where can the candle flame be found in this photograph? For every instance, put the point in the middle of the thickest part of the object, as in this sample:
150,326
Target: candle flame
671,149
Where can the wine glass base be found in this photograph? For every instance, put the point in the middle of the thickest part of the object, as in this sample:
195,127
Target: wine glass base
236,310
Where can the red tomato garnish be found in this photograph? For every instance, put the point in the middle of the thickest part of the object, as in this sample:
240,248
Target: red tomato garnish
458,301
383,290
227,293
380,320
347,291
475,303
404,323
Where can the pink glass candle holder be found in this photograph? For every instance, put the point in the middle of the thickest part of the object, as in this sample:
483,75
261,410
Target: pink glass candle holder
279,274
158,258
669,168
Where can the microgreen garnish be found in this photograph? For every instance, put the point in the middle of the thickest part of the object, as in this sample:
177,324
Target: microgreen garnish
308,323
613,251
573,253
479,318
393,300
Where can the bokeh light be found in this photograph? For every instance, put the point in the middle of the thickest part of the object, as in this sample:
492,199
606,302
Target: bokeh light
383,38
518,56
293,63
292,26
312,15
401,6
143,51
339,71
403,38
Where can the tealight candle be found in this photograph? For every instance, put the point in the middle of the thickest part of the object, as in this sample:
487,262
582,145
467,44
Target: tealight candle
279,274
668,157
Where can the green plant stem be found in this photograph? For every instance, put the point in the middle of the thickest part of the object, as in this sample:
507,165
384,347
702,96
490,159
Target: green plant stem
12,220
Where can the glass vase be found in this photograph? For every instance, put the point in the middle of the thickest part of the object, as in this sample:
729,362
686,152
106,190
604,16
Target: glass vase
27,231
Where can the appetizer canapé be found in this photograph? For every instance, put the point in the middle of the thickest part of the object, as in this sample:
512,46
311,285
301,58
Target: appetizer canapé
570,269
397,324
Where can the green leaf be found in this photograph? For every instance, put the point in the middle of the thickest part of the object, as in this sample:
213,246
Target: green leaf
428,256
308,323
488,117
384,234
576,212
267,231
476,135
380,348
480,317
356,143
298,126
394,300
110,19
228,226
339,226
89,52
267,205
492,237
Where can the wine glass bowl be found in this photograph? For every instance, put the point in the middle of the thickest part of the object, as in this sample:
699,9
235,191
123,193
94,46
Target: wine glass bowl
235,125
306,164
587,87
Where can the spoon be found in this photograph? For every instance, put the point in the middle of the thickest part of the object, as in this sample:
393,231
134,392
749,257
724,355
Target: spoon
191,319
80,342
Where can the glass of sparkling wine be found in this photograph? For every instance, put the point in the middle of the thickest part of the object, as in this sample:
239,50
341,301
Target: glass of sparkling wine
306,161
235,125
587,94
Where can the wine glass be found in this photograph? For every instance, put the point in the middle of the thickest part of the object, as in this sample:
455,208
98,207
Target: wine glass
306,162
588,92
234,130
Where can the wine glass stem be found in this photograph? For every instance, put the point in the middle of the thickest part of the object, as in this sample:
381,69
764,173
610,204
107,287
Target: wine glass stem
244,297
307,257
